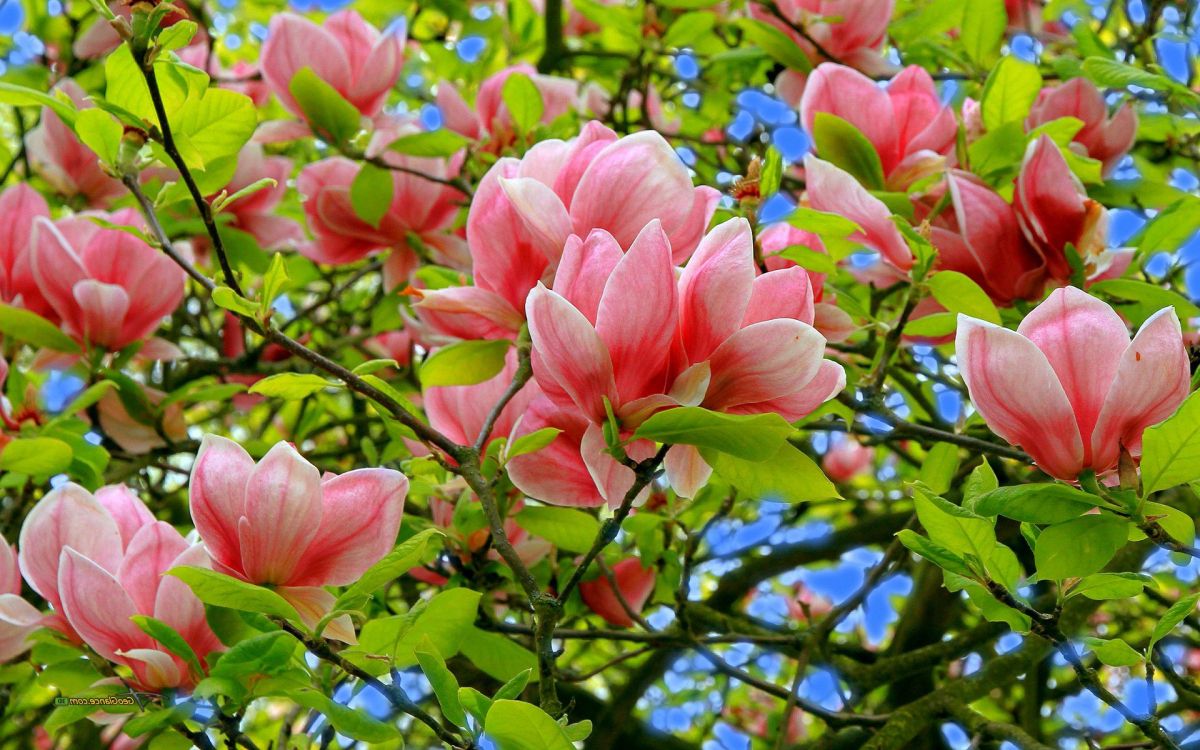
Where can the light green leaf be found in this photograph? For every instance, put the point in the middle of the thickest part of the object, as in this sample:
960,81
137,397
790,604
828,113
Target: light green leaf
513,725
406,556
1114,652
775,43
443,682
1175,614
464,363
788,476
688,28
523,101
215,125
37,456
959,293
324,108
1036,503
1171,448
22,96
754,437
1009,93
1101,586
955,528
170,639
353,723
938,467
99,132
435,143
371,193
292,386
25,326
225,297
497,655
1171,228
983,27
532,443
1079,547
933,552
566,528
1147,298
221,590
843,145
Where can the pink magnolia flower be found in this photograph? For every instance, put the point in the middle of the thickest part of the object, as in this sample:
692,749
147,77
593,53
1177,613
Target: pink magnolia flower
1068,386
832,190
99,527
1025,16
619,329
100,38
911,130
20,205
418,207
833,323
459,411
852,31
134,436
62,160
1054,211
279,523
345,51
1105,138
108,286
18,618
99,602
847,459
258,213
524,211
978,235
635,583
490,118
395,345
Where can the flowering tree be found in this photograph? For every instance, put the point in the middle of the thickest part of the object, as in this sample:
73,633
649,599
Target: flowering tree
537,375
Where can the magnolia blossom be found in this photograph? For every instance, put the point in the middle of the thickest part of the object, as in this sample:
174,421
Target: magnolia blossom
833,190
258,213
852,31
62,160
345,51
20,205
619,332
108,286
98,560
847,459
911,130
833,323
490,118
133,435
1068,386
100,38
1104,138
635,584
280,523
979,235
524,211
1054,211
419,208
18,618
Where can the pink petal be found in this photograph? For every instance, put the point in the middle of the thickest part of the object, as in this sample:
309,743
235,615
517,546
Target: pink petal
585,269
56,269
829,381
848,94
68,516
505,259
283,512
457,115
1019,396
18,618
544,217
613,478
102,309
151,552
635,583
218,496
638,314
572,355
178,607
126,508
1152,380
785,293
830,189
556,474
294,43
1083,339
152,668
359,522
687,473
687,237
715,288
97,607
313,603
763,361
469,312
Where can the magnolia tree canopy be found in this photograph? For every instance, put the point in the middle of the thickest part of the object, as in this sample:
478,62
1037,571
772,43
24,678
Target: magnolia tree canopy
552,374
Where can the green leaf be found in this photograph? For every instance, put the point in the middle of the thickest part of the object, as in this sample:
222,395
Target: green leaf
22,96
1148,298
177,36
407,555
958,293
170,639
775,43
523,101
809,259
938,467
789,476
230,300
435,143
532,443
38,456
754,437
1079,547
1174,615
1114,653
566,528
447,619
214,126
1036,503
25,326
771,174
371,193
981,481
1011,89
1171,228
513,688
513,725
1174,521
324,108
983,27
464,363
443,682
1101,586
221,202
292,386
1171,448
842,144
475,702
933,552
955,528
99,132
221,590
497,655
353,723
688,28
